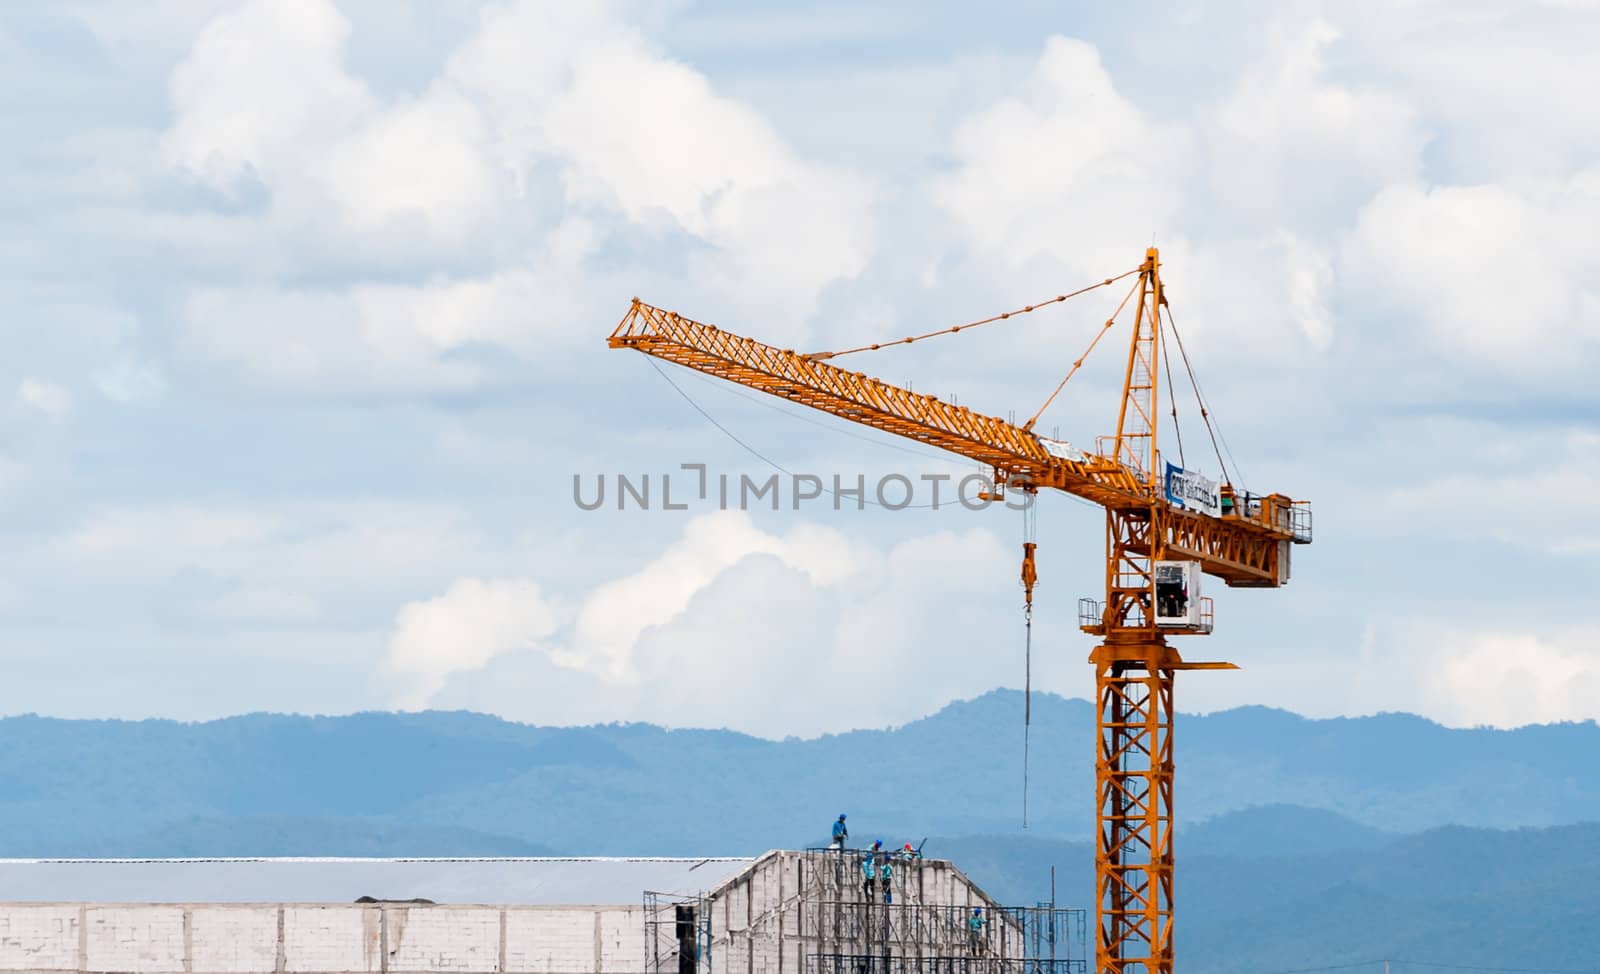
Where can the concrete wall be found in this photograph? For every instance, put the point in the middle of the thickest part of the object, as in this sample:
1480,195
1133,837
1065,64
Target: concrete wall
38,938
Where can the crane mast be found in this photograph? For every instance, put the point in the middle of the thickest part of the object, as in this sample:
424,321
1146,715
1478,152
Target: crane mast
1157,545
1134,670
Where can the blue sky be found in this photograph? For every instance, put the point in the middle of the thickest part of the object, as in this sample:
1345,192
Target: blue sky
305,305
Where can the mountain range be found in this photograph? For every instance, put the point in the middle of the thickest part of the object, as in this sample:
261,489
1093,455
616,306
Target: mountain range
1299,840
462,782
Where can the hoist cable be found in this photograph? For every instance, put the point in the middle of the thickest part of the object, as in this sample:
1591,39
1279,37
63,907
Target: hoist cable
1027,703
1030,533
757,453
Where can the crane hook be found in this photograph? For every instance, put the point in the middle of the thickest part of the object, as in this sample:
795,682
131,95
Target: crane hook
1029,574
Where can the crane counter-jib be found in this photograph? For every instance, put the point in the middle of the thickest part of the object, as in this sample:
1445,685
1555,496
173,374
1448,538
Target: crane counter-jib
1242,548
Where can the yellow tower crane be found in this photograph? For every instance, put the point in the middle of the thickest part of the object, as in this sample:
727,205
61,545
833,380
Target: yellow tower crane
1165,527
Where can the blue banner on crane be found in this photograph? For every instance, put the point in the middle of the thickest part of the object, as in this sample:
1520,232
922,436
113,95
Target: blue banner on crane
1192,492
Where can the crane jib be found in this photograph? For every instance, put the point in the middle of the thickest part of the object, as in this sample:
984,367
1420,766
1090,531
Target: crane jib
1241,550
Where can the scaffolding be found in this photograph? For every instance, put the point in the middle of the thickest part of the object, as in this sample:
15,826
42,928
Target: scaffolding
677,931
817,912
855,931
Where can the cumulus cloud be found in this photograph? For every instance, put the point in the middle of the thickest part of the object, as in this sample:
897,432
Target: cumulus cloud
265,100
461,630
770,222
798,632
262,81
392,337
1500,276
44,397
614,616
1467,671
1288,145
266,103
1516,481
363,549
1068,178
1510,679
1065,167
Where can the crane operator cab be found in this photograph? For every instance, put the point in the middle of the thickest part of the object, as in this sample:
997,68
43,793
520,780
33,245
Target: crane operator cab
1178,602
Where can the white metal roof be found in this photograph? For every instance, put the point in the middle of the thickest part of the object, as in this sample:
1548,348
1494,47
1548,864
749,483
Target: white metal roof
534,882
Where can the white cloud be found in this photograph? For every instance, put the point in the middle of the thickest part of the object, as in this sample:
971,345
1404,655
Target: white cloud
45,397
1067,180
1509,497
361,549
1287,143
510,129
1502,277
771,223
262,82
461,630
396,337
1466,671
615,614
419,165
1509,679
1504,88
1067,168
800,632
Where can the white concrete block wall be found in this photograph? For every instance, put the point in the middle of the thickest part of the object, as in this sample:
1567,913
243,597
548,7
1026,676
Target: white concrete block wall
135,939
233,939
39,938
332,938
622,940
765,956
443,938
556,940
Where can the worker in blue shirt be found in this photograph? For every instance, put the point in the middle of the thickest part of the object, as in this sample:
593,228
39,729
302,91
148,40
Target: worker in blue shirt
975,925
886,873
840,833
869,872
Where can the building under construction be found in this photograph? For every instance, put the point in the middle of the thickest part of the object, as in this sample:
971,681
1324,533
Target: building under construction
786,912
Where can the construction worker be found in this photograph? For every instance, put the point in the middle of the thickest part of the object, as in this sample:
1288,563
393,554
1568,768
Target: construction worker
886,873
869,872
840,833
909,854
975,925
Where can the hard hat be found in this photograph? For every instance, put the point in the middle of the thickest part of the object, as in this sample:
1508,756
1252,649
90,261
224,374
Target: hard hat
841,816
908,845
977,909
877,843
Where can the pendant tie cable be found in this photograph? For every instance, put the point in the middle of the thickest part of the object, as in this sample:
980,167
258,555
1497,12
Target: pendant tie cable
1078,363
1172,395
1205,410
1002,316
